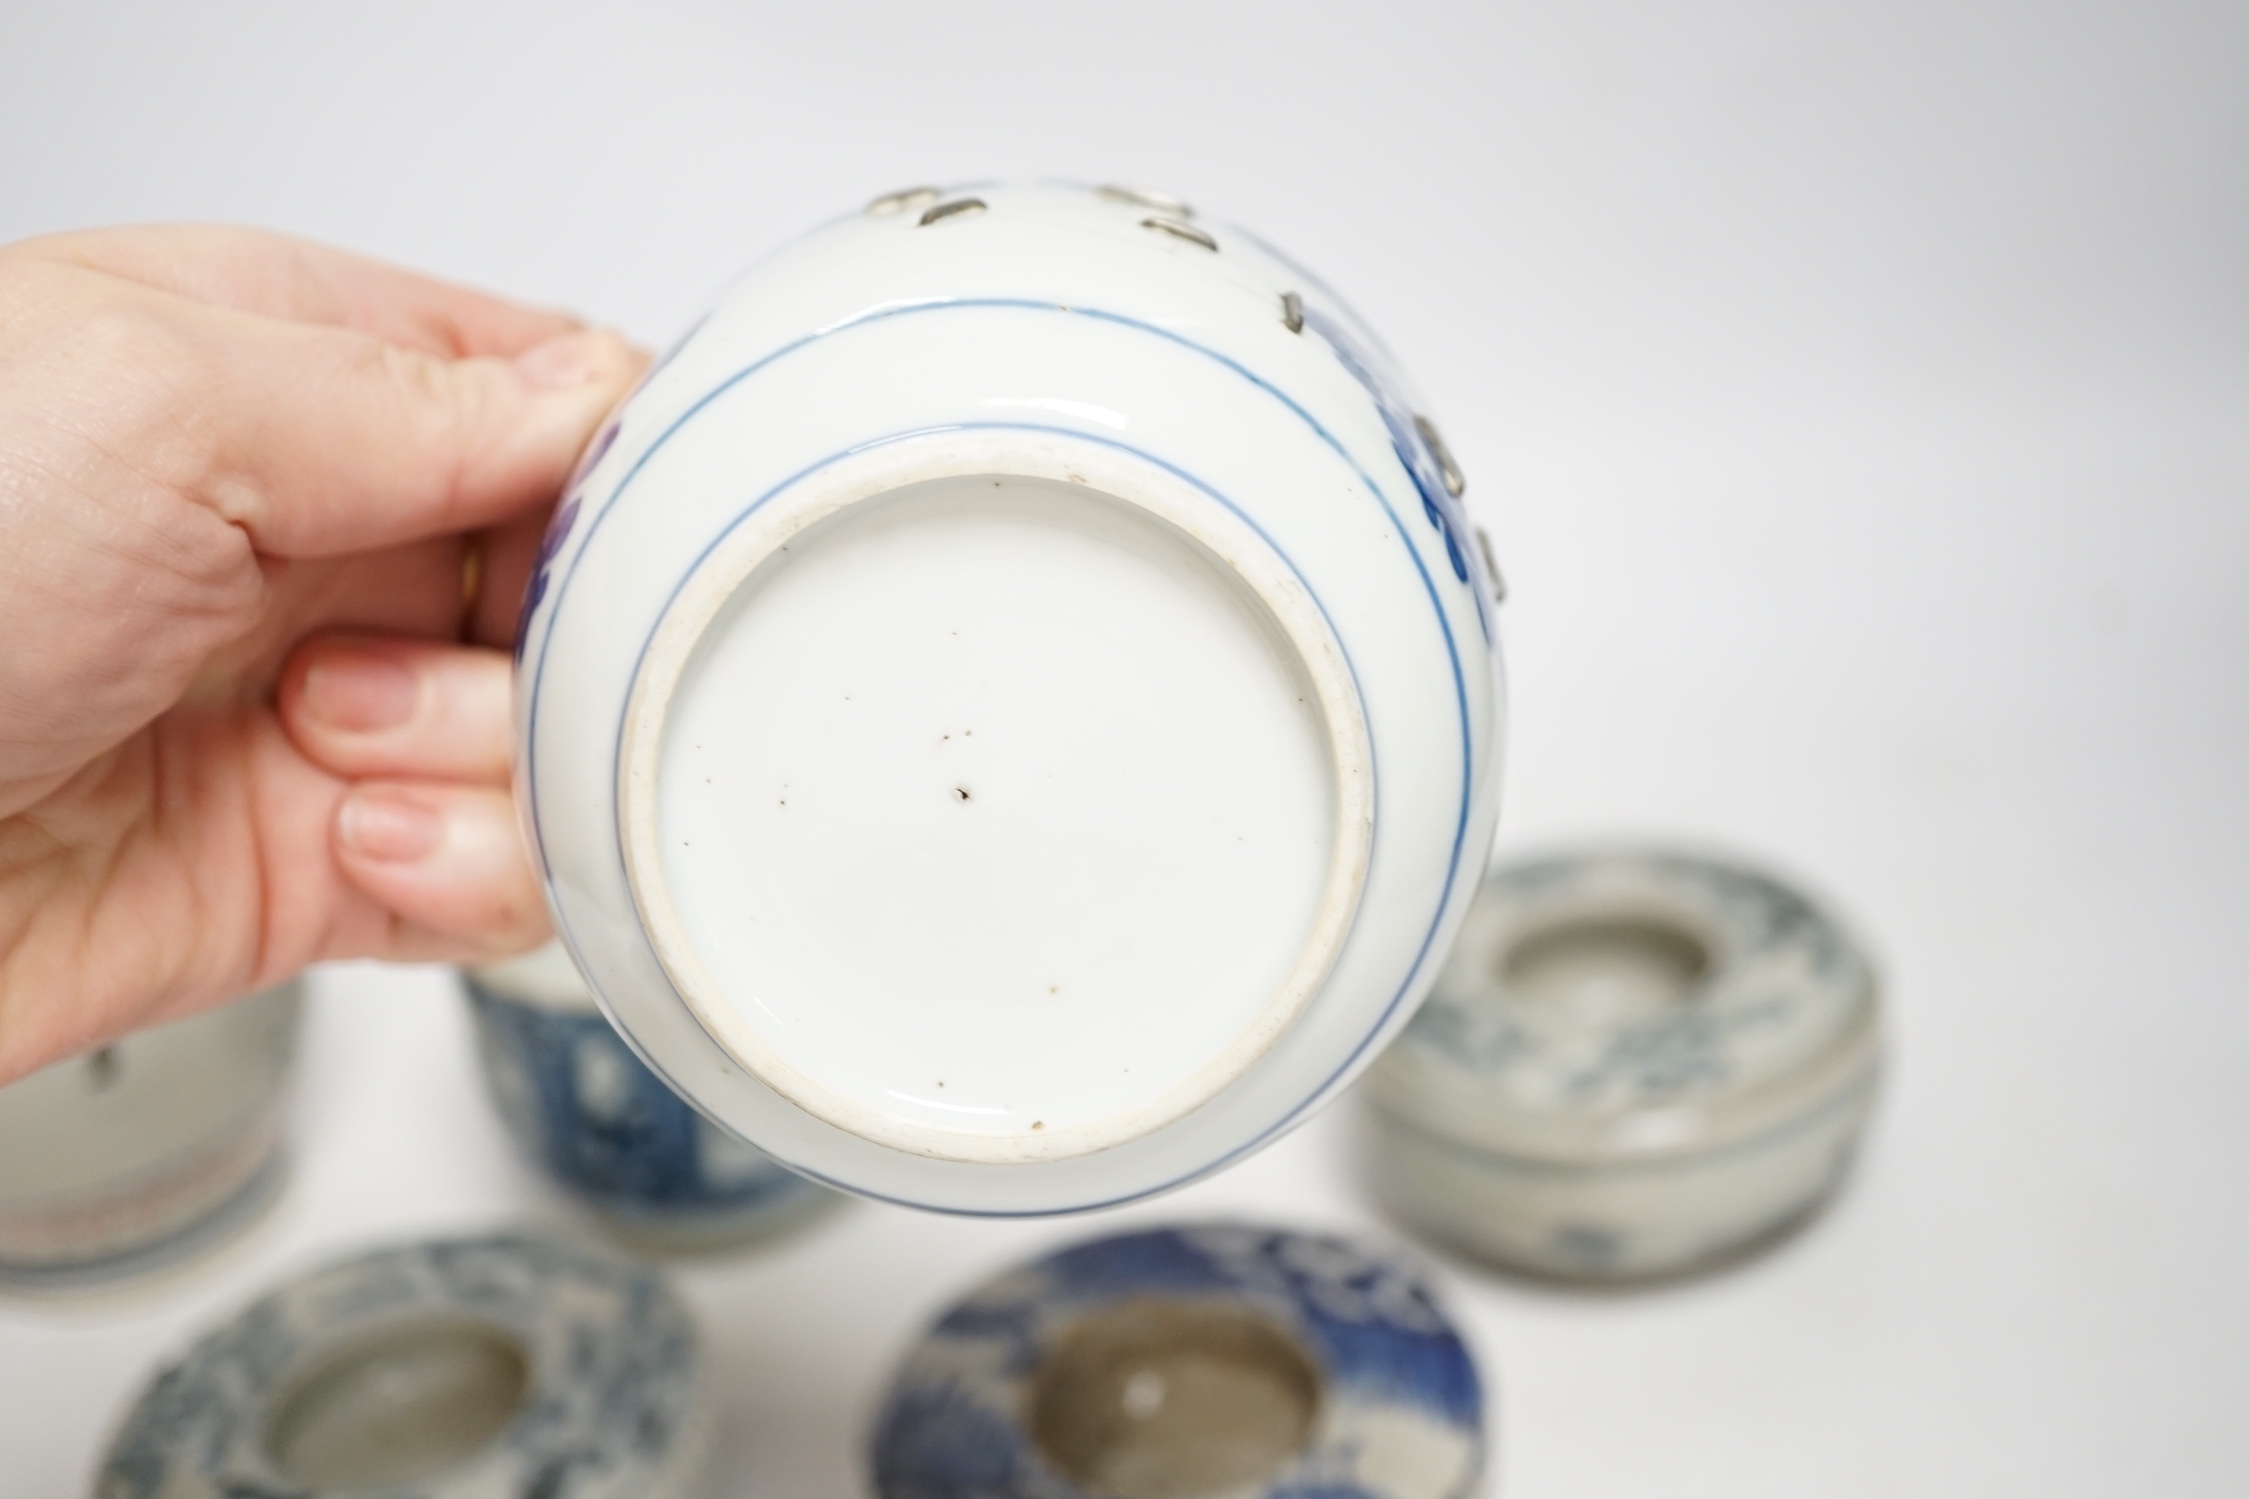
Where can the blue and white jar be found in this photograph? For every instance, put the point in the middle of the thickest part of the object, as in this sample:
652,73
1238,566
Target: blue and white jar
1636,1061
607,1131
1217,1360
127,1159
1008,711
495,1368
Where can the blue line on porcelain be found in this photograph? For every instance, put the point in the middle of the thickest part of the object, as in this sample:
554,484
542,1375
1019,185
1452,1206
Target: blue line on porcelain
559,531
559,534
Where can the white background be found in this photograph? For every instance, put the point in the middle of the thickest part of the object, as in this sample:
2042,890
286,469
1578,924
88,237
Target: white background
1858,395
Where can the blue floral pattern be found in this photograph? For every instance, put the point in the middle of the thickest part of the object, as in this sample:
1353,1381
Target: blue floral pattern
1786,981
561,523
1407,439
1393,1368
610,1131
610,1348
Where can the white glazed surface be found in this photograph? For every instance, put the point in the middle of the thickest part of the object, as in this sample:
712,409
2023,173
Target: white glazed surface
1051,338
1609,1124
909,780
113,1152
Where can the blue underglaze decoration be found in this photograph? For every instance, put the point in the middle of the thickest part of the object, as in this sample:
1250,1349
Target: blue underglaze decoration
1789,960
1013,1328
566,516
550,545
1390,1362
943,1440
610,1351
1323,1491
600,1123
1437,503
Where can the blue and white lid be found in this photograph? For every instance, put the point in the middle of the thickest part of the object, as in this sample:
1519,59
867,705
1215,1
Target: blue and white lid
1634,1001
484,1368
1215,1359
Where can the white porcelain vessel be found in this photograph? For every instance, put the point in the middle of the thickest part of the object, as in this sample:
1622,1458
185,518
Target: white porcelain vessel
1009,710
128,1158
1635,1062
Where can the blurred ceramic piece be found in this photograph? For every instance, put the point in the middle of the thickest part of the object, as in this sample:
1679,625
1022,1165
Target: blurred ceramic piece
497,1368
1635,1062
599,1124
137,1155
1009,708
1188,1363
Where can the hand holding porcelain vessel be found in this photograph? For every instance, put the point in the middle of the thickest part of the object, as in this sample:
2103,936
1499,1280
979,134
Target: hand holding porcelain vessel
260,503
1008,710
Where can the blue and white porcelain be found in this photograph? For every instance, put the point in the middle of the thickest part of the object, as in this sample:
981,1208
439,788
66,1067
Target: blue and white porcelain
1635,1062
606,1130
493,1368
1009,710
132,1157
1195,1362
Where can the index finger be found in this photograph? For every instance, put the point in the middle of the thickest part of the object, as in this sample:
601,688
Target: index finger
277,275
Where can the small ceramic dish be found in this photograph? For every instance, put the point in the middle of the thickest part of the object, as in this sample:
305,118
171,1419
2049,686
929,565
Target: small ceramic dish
1188,1363
128,1159
1008,712
602,1127
498,1368
1635,1062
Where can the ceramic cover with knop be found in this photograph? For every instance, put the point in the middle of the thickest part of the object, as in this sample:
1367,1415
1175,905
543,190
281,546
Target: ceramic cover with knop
1009,707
